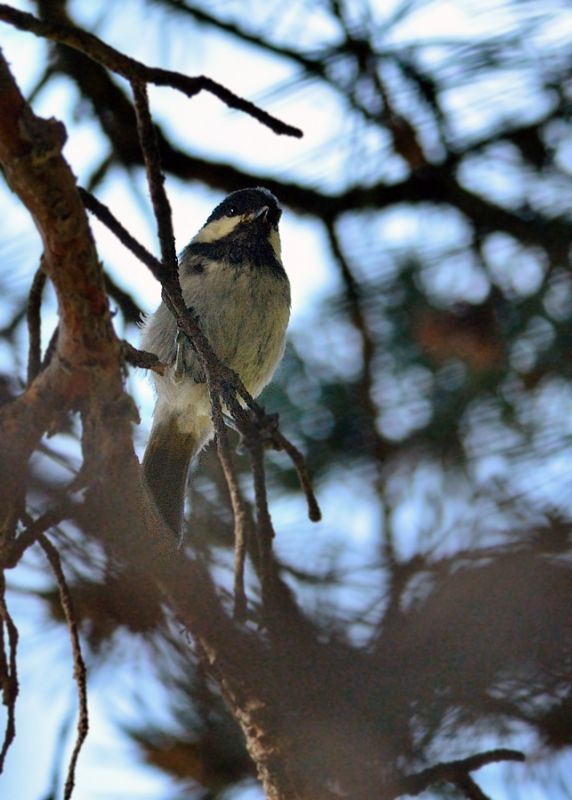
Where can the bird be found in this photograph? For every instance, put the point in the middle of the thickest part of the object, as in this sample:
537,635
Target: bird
231,275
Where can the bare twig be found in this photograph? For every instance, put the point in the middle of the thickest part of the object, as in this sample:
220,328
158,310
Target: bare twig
364,395
30,152
315,66
172,294
41,83
8,672
282,443
51,348
141,358
155,177
104,215
238,505
34,529
62,738
34,323
170,284
470,789
79,672
135,71
130,310
264,529
456,772
365,392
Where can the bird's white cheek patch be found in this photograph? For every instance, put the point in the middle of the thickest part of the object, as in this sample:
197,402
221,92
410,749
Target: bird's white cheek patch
217,229
274,240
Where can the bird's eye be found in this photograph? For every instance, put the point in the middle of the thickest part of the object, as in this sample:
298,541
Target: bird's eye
231,211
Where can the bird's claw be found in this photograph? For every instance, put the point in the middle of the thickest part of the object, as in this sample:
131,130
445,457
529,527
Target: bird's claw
181,343
230,423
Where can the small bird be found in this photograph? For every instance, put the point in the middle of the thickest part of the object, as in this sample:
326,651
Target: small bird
231,274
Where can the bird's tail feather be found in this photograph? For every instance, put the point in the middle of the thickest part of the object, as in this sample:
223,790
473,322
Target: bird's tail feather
166,467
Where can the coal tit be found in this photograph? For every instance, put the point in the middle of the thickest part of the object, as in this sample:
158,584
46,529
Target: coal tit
231,274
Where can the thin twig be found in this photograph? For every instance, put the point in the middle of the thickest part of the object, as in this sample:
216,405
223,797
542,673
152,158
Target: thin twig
365,392
41,84
155,177
141,358
238,505
129,308
449,772
264,528
35,323
364,396
100,172
104,215
172,294
79,673
61,738
50,349
135,71
34,529
282,443
8,672
470,789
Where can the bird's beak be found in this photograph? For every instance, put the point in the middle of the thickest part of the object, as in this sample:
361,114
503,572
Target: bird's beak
260,213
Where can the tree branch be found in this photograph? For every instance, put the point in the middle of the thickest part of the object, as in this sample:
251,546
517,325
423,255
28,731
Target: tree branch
456,772
135,71
434,184
34,323
88,356
79,671
8,671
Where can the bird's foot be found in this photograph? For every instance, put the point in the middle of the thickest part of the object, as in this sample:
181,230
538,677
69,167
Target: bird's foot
181,344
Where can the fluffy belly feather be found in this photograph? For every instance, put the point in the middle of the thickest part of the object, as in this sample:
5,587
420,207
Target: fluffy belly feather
243,313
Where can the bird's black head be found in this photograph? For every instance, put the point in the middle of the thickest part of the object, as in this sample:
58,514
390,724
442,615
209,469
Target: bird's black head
248,205
242,230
